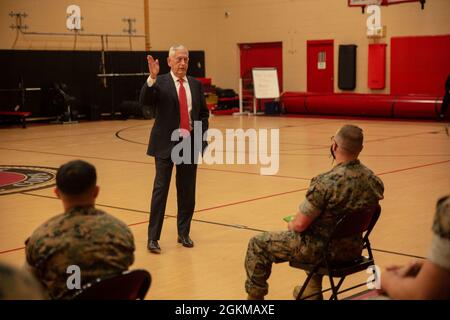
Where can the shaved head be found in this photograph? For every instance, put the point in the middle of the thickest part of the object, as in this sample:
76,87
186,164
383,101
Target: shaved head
350,138
175,48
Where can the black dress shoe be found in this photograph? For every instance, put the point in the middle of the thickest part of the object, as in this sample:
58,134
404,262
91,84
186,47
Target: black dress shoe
153,246
186,241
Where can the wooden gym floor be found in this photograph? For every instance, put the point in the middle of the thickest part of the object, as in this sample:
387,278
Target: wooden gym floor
234,202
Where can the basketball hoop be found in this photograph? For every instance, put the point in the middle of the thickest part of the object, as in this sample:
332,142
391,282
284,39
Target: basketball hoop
363,3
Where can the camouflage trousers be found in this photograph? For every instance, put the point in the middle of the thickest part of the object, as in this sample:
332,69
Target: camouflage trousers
267,248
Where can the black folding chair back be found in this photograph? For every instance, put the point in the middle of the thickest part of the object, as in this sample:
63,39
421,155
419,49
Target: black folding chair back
130,285
353,223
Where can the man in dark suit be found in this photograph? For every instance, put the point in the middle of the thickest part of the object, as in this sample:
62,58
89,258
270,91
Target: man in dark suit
179,103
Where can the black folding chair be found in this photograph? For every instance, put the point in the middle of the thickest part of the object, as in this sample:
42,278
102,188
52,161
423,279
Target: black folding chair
129,285
355,223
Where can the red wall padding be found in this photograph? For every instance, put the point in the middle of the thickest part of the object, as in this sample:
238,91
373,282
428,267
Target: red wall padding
353,104
416,107
420,65
348,104
377,66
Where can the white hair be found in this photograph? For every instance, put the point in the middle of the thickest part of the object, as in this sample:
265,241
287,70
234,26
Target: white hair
175,48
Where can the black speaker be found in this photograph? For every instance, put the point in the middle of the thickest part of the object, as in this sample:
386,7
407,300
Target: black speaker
347,67
126,109
147,112
95,112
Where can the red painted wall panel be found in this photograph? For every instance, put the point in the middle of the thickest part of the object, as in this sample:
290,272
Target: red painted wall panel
352,104
377,66
318,79
420,65
261,55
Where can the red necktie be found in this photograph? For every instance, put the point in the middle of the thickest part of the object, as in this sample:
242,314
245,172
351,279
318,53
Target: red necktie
184,116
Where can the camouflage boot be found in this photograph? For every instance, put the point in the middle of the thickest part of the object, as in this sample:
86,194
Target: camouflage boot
314,286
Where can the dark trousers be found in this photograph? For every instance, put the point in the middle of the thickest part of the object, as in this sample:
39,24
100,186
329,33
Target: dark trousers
186,175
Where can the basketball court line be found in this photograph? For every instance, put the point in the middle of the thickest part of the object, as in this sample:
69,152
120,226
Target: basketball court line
275,194
374,140
305,144
229,171
310,146
12,250
236,226
117,134
195,211
212,169
55,137
232,171
398,253
402,136
412,168
370,155
218,170
270,118
151,163
74,155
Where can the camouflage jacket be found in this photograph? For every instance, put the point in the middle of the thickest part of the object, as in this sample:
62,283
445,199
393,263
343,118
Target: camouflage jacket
18,284
440,245
348,187
98,243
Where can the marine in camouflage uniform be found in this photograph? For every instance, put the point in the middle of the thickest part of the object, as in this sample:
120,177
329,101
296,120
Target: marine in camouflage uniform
349,186
95,241
423,279
440,245
18,284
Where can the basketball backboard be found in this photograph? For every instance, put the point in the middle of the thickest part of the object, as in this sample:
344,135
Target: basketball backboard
363,3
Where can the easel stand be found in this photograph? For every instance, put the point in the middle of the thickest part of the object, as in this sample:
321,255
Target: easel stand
70,121
241,105
255,108
265,84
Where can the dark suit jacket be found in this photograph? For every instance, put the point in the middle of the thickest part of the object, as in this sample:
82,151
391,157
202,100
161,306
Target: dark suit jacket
163,97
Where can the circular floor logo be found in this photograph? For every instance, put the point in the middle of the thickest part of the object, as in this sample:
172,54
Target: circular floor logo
14,179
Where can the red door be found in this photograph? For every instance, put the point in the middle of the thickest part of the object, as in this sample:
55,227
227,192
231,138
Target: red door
259,55
320,61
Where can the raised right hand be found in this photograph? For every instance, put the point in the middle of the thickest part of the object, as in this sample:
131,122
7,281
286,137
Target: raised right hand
153,66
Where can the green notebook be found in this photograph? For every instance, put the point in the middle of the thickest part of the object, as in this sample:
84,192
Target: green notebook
288,218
